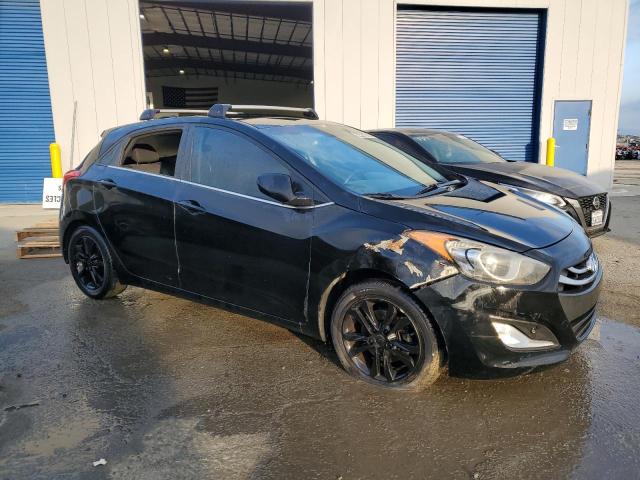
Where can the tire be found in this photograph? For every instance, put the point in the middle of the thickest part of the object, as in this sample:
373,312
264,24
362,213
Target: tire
404,346
91,264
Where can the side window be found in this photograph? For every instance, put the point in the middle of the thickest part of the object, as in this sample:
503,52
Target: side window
396,142
230,162
156,153
407,147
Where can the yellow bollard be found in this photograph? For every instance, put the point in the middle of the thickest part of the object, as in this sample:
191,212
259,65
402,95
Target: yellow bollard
56,162
551,151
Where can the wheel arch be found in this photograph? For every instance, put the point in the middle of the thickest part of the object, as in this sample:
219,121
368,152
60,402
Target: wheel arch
70,225
341,283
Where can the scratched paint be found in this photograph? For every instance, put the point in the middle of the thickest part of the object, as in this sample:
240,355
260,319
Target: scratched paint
395,246
413,269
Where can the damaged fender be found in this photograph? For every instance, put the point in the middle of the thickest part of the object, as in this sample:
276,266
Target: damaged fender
398,256
407,260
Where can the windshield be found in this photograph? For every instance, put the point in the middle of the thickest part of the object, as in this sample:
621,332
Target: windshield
356,160
449,149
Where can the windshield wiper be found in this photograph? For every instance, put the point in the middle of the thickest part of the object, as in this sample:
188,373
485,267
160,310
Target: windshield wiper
383,196
437,186
427,189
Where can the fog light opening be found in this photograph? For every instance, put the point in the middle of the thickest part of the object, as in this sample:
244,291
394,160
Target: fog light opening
515,339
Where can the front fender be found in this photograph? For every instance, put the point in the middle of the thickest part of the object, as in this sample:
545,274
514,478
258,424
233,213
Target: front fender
347,249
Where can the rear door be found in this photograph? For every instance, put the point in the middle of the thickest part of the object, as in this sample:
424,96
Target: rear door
234,243
134,200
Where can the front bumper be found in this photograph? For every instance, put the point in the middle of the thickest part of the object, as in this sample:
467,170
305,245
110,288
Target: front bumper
465,309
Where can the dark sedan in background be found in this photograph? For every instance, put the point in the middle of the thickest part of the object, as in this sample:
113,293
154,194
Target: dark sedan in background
583,200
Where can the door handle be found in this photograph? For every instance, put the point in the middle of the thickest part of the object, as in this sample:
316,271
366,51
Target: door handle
192,206
107,183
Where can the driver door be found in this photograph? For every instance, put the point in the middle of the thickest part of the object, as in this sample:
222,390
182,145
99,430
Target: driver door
234,243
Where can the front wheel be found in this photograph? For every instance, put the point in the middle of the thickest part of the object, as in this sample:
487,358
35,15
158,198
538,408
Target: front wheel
382,336
91,264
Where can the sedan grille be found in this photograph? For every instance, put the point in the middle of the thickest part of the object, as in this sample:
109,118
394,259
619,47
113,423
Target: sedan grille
580,276
582,325
590,204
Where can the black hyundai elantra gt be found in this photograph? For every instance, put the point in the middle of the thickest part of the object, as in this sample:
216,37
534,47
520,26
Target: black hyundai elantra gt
330,232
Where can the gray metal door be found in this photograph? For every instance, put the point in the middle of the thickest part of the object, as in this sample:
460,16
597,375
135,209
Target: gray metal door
571,124
471,71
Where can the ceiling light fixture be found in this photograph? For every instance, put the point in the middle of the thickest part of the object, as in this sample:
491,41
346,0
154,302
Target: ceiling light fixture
181,72
142,16
165,50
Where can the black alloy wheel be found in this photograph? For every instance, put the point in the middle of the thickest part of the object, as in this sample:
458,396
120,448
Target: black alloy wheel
381,340
88,262
382,335
91,264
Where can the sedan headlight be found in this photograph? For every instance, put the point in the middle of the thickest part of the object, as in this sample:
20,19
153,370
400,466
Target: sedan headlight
480,261
492,264
548,198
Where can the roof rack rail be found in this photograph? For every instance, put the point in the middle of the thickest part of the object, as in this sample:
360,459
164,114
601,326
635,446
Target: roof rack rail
152,113
226,110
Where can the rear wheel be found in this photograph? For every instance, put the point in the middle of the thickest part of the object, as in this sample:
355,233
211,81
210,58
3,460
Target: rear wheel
382,336
91,264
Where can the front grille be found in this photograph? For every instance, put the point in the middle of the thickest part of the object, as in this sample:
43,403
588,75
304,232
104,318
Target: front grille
579,276
581,326
586,204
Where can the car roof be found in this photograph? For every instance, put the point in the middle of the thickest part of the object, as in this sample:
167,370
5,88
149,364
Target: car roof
115,134
264,122
409,131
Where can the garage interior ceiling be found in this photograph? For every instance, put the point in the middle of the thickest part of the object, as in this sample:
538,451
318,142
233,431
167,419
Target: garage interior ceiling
249,40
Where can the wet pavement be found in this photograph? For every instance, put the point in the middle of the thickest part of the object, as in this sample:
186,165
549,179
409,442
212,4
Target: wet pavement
164,388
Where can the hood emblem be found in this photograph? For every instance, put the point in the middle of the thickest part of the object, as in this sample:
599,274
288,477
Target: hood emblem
596,202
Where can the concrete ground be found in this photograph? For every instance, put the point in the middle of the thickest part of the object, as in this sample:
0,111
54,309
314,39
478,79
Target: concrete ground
163,388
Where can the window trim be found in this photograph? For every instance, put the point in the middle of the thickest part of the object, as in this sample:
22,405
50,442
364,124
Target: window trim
216,189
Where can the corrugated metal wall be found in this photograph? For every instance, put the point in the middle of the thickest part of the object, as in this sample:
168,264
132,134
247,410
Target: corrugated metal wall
473,72
26,124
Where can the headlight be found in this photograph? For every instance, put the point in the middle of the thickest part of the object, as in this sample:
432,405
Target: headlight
493,264
484,262
548,198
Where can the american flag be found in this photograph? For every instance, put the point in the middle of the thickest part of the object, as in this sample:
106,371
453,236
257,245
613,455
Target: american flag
177,97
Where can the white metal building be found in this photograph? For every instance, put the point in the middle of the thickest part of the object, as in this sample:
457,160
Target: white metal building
508,73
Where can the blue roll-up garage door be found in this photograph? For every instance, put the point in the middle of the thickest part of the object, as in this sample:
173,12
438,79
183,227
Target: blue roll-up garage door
473,71
26,125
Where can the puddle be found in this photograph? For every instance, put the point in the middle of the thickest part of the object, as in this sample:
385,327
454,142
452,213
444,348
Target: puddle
619,337
612,440
60,437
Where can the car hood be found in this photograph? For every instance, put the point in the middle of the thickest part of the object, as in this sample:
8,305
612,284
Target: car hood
532,175
482,211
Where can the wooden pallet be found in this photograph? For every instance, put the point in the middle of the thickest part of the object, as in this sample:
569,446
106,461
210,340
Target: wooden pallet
39,241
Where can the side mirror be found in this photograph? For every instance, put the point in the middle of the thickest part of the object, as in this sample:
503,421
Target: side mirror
279,187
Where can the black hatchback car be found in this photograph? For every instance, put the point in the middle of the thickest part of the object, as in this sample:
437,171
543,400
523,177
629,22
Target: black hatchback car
584,201
331,232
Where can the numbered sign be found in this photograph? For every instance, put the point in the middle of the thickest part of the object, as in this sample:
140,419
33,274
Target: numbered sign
51,193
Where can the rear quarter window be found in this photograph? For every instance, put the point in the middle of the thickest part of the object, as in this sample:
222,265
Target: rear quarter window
112,155
90,158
